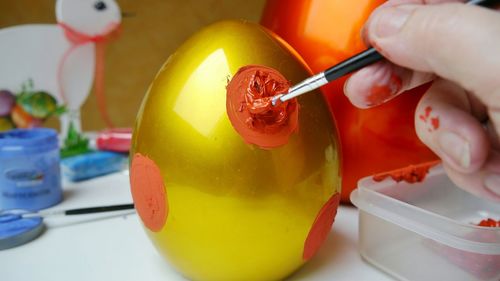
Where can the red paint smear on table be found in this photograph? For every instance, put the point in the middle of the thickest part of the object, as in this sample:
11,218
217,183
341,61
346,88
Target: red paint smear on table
489,223
382,93
410,174
148,192
321,227
250,110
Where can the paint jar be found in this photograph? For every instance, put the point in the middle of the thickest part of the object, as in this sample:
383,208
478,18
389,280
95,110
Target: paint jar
427,230
117,140
29,169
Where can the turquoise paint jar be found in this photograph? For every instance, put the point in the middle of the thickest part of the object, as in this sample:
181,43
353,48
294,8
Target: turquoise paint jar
30,175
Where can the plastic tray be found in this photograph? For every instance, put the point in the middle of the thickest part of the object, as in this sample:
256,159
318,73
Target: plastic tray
427,230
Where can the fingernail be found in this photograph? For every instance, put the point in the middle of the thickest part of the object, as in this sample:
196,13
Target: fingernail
364,35
492,183
385,91
455,147
389,21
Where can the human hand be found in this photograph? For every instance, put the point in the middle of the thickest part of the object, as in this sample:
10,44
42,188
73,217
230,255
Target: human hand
458,47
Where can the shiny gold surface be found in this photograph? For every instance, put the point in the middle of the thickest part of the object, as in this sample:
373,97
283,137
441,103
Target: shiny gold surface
236,212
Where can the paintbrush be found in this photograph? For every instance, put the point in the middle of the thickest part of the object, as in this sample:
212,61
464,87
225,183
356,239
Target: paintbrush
19,226
347,66
78,211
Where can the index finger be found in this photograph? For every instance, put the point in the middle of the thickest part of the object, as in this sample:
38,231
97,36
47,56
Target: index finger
454,41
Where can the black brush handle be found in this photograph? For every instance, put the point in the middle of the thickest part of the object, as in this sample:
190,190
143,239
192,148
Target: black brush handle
101,209
371,55
482,3
352,64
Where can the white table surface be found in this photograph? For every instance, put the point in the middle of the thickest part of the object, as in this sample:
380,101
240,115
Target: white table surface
115,247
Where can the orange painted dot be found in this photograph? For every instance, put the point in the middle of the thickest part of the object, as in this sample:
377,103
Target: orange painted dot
148,192
321,227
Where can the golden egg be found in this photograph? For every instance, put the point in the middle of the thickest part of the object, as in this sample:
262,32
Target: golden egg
217,207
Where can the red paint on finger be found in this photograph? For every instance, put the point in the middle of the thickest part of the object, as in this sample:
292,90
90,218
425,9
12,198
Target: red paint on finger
435,123
379,94
321,227
430,120
148,192
427,112
382,93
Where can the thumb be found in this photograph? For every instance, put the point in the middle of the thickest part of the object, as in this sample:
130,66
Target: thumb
455,41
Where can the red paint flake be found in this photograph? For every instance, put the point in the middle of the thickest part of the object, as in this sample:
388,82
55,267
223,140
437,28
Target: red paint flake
410,174
435,122
426,115
321,227
428,110
489,223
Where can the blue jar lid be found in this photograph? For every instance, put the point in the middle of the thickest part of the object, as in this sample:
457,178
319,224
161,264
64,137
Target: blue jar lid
16,230
28,140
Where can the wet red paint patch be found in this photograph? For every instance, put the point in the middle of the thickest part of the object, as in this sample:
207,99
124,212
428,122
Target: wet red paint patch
250,110
148,192
382,93
321,227
410,174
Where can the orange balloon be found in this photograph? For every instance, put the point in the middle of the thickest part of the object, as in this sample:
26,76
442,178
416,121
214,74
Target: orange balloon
325,32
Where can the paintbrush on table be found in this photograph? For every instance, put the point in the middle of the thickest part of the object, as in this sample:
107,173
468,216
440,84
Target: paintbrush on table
78,211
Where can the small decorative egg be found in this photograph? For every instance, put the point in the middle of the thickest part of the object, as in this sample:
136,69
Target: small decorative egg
7,102
24,120
229,188
6,124
38,104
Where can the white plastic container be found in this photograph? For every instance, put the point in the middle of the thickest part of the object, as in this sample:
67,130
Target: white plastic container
427,230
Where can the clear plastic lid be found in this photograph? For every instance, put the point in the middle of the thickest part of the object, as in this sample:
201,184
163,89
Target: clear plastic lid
434,208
